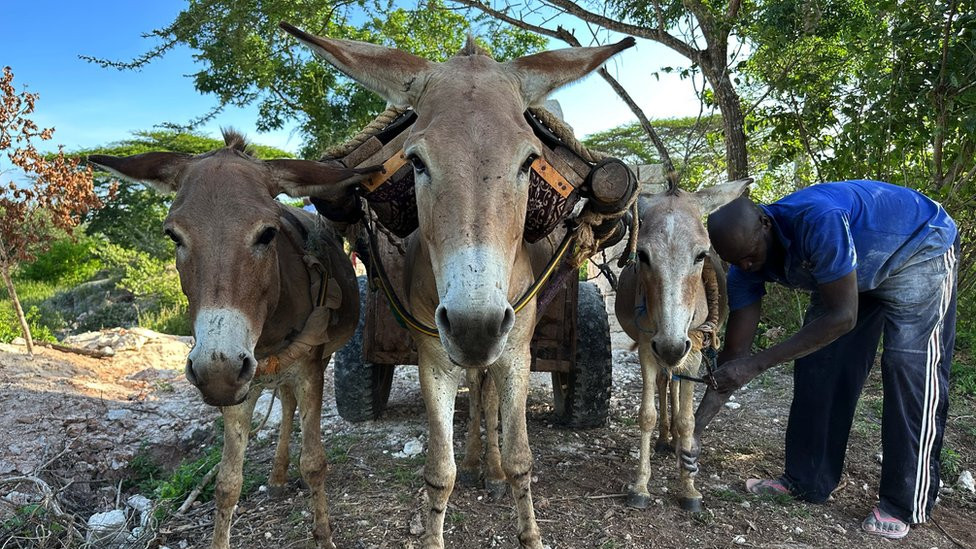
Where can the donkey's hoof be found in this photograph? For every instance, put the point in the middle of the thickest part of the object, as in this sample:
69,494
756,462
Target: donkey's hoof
278,491
638,501
692,505
496,489
662,447
470,479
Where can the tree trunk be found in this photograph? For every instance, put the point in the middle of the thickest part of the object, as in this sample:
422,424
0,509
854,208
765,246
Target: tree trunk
5,268
733,118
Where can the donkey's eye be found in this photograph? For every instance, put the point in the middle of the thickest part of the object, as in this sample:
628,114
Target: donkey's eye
174,237
701,257
266,236
418,165
524,168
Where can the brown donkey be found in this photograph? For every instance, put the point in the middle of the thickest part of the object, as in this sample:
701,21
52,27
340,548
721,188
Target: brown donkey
471,150
271,296
661,303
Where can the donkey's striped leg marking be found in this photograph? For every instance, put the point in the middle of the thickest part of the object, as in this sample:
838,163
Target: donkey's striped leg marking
511,376
439,381
689,497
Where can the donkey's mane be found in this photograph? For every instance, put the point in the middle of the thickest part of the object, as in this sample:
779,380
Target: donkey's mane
471,47
235,140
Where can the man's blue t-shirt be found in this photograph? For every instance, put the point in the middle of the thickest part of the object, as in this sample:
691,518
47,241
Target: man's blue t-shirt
831,229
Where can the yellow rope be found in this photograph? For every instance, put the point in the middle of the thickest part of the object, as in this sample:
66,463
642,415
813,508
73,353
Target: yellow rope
373,128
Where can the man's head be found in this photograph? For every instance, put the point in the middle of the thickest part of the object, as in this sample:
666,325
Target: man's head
742,234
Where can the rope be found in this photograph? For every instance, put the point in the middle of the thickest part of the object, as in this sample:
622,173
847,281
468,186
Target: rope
373,128
565,134
707,332
589,244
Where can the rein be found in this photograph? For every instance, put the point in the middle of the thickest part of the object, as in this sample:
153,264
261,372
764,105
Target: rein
316,325
410,321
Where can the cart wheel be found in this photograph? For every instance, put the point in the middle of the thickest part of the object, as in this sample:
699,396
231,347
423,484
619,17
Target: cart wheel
362,388
582,397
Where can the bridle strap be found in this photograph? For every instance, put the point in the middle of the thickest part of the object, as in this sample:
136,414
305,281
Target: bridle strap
410,321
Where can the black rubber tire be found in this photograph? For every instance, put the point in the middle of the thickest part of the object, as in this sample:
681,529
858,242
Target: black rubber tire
362,388
582,397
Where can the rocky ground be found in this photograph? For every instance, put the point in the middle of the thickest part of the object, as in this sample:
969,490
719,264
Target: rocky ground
74,425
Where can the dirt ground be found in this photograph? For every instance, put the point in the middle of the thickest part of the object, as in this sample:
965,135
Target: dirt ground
77,422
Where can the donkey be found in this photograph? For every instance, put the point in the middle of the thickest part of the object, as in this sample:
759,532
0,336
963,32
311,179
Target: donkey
271,296
661,303
471,151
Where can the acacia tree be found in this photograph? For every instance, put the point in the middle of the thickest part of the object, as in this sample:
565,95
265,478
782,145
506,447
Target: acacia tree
58,195
247,59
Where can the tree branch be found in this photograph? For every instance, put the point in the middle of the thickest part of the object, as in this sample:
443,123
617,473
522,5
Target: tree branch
562,34
655,34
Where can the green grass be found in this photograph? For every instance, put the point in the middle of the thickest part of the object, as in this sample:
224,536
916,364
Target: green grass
32,294
728,495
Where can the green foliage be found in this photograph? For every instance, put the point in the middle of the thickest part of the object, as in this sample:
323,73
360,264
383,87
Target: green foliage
32,294
133,218
151,281
962,377
245,58
951,464
68,261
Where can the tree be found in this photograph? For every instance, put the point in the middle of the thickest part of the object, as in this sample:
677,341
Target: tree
59,193
701,22
246,58
133,218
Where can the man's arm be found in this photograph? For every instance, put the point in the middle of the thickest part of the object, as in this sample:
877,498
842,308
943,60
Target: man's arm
840,303
739,334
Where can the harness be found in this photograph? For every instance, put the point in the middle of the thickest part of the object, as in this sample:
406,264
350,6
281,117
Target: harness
327,297
558,179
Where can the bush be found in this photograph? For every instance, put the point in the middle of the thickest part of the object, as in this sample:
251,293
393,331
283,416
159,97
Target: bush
42,323
68,261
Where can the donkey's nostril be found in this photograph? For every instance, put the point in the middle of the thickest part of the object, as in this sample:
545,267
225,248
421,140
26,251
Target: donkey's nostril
654,347
508,320
190,375
443,319
247,368
687,345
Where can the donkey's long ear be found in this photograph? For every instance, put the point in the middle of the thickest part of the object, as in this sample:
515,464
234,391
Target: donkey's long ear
298,178
543,72
713,198
160,170
396,75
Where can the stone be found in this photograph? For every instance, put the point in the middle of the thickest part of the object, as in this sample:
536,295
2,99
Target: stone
739,540
115,414
261,409
966,481
18,341
413,447
140,503
733,405
107,529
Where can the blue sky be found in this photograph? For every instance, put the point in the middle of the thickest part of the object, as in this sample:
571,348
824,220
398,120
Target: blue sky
89,106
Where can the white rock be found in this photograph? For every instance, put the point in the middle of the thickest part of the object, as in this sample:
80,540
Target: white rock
798,530
412,448
733,405
18,341
739,540
107,528
966,481
116,414
140,503
107,351
879,457
261,408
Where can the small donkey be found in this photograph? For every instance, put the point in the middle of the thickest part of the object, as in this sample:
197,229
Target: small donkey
662,305
271,296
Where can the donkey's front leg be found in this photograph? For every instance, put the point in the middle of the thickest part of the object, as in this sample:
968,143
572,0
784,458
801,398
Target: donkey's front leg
511,376
688,496
438,383
495,480
313,462
639,497
279,467
663,445
237,427
470,473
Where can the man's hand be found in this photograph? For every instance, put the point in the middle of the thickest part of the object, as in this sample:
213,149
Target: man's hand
735,373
